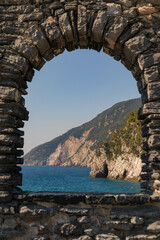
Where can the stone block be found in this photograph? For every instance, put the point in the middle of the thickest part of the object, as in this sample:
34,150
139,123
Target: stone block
18,62
14,109
10,121
68,229
53,34
55,5
28,50
135,46
10,94
151,74
70,6
74,28
153,91
9,223
153,141
83,219
77,211
154,227
148,60
9,168
107,236
142,237
11,140
115,30
82,26
35,34
33,211
85,237
149,108
10,159
65,27
99,25
137,220
119,225
113,9
34,16
8,179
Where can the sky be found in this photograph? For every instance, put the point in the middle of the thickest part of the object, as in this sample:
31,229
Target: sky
72,89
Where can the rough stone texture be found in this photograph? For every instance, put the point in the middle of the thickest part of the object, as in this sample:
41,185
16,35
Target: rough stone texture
33,30
60,216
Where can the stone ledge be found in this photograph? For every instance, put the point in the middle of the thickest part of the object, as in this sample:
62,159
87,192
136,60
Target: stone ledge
89,198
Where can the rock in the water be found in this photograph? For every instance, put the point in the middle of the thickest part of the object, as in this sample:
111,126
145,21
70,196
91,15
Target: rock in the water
99,169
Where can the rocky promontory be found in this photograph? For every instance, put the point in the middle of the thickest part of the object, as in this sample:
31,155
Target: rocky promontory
120,157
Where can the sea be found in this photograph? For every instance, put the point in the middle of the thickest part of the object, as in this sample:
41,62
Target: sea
72,179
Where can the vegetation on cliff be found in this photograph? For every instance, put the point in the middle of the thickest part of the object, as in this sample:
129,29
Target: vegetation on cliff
125,140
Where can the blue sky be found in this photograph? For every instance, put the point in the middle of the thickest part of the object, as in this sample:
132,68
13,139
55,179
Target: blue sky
72,89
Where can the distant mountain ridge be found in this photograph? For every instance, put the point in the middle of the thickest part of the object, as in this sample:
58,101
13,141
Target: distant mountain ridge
77,146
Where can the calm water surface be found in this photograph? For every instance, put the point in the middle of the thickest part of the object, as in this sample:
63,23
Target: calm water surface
72,179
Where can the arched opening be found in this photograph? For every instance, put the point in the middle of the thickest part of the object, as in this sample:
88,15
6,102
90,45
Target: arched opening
97,27
71,90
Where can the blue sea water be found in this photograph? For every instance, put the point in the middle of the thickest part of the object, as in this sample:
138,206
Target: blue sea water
72,179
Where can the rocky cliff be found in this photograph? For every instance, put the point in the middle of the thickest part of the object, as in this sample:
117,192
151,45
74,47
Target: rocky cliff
121,154
77,146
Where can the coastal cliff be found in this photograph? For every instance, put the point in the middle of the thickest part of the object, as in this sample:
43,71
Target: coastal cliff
122,152
77,146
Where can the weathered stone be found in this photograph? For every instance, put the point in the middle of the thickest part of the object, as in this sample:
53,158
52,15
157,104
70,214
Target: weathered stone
151,74
131,13
65,27
77,211
15,60
34,16
142,237
67,229
55,5
82,26
108,236
153,91
14,109
54,35
28,50
85,237
149,108
113,9
39,40
9,223
7,179
136,45
10,94
137,220
70,6
30,210
146,10
154,227
119,225
83,219
99,25
112,34
148,60
74,28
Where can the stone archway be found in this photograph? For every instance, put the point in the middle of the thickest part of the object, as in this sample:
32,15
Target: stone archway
126,30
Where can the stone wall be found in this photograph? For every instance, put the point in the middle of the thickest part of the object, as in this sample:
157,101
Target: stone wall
36,31
60,216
